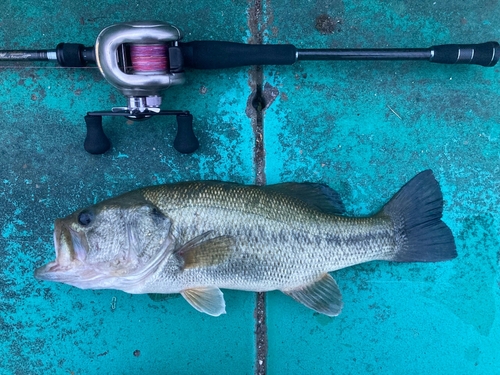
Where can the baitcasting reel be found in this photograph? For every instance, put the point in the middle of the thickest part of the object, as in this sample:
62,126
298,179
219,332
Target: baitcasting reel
142,59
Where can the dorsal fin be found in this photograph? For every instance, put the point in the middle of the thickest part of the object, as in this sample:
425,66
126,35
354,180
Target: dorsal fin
319,196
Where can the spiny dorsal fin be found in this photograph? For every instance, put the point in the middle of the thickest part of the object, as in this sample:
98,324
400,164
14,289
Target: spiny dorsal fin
202,252
319,196
208,300
322,296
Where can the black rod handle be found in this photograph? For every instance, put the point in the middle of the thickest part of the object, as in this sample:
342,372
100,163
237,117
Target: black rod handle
96,141
185,141
73,55
484,54
221,55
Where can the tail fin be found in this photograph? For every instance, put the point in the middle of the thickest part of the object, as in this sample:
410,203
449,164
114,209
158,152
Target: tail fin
416,211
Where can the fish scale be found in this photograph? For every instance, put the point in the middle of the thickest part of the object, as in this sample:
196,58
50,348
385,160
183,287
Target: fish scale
195,238
288,250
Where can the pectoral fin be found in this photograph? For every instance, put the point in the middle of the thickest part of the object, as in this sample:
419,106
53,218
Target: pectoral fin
202,252
322,296
207,300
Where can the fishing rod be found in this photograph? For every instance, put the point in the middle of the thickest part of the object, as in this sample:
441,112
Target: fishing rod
142,59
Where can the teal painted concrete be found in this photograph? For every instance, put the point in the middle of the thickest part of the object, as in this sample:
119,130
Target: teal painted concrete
45,173
364,128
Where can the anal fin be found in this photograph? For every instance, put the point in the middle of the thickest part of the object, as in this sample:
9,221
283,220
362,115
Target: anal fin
208,300
322,295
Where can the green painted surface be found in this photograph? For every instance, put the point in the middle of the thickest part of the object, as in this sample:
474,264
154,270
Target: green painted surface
45,174
364,128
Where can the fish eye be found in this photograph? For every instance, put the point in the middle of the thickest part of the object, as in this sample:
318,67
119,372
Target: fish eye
85,217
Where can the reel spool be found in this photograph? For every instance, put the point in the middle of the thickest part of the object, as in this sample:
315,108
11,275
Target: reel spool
141,60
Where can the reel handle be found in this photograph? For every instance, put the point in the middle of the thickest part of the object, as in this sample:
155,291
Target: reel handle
96,141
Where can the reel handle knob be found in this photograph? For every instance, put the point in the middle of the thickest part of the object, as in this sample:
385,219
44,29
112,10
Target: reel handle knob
96,141
185,141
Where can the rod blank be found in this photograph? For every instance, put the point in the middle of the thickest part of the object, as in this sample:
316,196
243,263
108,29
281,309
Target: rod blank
27,55
365,54
484,54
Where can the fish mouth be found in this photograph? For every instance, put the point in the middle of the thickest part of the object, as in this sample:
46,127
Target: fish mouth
70,254
71,266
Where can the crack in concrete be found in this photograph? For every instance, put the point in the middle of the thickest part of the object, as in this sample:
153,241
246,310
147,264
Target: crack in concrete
255,107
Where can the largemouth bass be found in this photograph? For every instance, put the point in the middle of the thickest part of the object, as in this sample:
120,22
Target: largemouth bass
196,238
